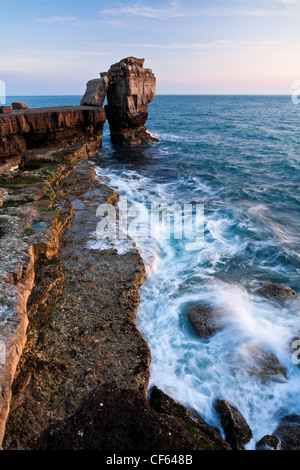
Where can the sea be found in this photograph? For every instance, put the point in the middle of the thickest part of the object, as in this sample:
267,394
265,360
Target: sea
238,158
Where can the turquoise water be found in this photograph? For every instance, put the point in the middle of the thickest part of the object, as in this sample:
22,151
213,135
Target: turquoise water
240,157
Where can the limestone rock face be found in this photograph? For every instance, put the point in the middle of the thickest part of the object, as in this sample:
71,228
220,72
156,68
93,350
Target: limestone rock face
131,89
5,109
45,127
95,92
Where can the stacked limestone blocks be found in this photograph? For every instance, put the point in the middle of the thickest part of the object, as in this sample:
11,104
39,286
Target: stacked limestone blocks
129,88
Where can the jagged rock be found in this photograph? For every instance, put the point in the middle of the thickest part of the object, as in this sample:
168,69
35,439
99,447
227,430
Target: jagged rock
288,433
131,89
205,320
45,127
5,109
112,418
279,292
19,105
268,443
205,436
96,91
286,436
236,429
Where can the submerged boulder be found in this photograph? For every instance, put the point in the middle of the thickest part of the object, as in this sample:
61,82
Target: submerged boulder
260,363
205,320
131,89
96,91
236,429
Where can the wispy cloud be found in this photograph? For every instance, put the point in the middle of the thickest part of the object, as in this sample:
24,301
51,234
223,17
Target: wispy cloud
170,10
218,44
57,19
176,9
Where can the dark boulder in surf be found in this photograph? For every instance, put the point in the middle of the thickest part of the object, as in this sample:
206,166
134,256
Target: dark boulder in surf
278,292
268,443
205,320
236,429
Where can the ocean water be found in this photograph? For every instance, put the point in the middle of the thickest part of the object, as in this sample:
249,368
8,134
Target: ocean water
239,156
45,101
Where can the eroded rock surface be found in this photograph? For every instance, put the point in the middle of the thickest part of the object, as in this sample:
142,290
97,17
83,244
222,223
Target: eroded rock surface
22,130
204,436
32,222
131,89
96,91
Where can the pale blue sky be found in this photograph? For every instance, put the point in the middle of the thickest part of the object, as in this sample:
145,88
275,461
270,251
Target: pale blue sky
203,46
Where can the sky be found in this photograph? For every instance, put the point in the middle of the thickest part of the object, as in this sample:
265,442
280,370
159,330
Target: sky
193,46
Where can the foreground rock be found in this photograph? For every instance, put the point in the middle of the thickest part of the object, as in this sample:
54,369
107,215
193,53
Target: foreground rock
204,436
131,89
278,292
236,429
96,91
205,320
87,338
32,222
268,443
23,130
112,418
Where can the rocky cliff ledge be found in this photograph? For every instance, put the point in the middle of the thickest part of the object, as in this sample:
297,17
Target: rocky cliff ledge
25,129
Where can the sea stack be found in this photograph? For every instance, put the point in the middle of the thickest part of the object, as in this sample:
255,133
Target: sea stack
131,88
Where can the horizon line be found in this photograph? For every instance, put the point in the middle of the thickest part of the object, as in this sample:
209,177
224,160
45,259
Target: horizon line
173,94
